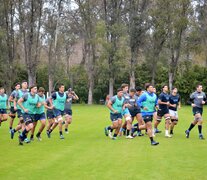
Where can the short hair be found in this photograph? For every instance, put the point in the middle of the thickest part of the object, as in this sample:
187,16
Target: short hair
147,85
16,84
61,84
132,90
164,85
138,88
199,84
1,88
41,89
119,89
124,85
24,81
32,86
174,88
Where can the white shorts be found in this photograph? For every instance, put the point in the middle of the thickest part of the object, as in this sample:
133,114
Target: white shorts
173,113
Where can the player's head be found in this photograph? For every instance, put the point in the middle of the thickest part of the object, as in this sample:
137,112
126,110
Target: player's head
41,91
138,90
17,86
61,88
174,90
132,92
33,89
119,92
149,87
165,88
199,88
125,87
2,90
24,84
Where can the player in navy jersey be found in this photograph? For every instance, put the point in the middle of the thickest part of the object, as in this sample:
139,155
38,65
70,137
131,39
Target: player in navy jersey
174,101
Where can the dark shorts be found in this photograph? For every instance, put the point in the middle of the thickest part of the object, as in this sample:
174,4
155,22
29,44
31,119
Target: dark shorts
197,110
12,111
115,117
19,113
147,118
50,114
134,112
28,118
68,111
58,112
3,111
39,117
162,112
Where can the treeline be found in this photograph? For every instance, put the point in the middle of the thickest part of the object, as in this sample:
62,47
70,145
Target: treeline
136,41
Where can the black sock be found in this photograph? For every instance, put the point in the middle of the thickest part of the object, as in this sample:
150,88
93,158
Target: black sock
10,128
128,131
171,131
61,133
109,128
50,130
200,129
115,135
32,135
14,130
151,139
24,134
191,127
38,134
66,129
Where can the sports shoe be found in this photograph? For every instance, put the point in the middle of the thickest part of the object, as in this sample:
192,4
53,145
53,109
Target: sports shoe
140,134
62,137
20,141
39,137
168,135
187,133
201,137
113,138
48,134
12,134
157,131
129,137
32,139
110,134
106,131
26,140
154,143
66,131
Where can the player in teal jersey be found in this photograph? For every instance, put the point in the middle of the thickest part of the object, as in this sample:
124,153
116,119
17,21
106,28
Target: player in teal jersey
17,108
68,110
116,106
58,100
39,115
28,104
3,105
11,99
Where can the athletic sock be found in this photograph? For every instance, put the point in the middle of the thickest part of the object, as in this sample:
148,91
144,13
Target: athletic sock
10,128
32,136
109,128
115,135
200,129
14,130
191,127
151,139
38,134
61,133
166,132
171,131
24,134
66,129
128,131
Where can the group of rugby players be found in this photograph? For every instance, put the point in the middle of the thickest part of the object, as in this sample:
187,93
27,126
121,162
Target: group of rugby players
145,105
30,105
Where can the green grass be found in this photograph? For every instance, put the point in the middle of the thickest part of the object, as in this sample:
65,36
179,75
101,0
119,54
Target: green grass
86,153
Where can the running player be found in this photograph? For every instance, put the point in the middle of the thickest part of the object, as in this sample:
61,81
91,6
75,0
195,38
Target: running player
147,102
3,105
68,111
116,105
163,111
39,115
58,100
19,94
11,99
127,126
174,100
198,99
28,103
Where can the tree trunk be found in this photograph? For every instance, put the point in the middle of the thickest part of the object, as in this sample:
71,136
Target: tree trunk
90,90
111,86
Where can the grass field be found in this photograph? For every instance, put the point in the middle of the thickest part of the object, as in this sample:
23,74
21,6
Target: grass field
86,153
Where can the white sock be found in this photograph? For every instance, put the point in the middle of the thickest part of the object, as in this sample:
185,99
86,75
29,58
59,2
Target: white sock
166,132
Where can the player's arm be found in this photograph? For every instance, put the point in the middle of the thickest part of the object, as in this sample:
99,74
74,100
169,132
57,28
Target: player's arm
53,97
20,101
109,105
192,97
15,101
75,96
204,99
46,106
141,99
160,101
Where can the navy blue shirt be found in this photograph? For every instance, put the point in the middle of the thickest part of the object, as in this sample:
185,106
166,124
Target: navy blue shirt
54,96
174,100
164,97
